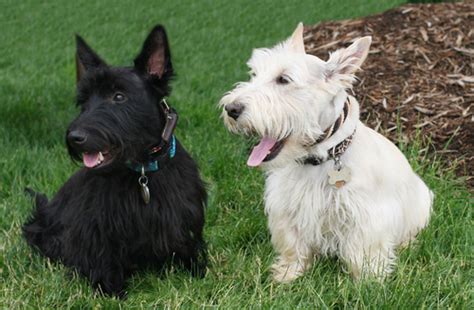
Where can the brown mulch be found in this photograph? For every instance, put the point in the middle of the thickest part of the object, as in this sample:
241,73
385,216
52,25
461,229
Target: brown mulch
420,70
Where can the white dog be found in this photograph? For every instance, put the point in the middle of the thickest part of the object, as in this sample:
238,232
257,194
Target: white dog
333,186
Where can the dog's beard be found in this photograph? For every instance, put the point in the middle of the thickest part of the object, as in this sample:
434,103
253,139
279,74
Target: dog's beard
109,145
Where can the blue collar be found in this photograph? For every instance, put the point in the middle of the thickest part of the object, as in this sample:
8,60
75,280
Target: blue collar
156,163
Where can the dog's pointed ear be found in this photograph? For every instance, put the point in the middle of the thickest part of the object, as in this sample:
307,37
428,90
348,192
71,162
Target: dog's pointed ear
86,58
347,61
155,57
295,43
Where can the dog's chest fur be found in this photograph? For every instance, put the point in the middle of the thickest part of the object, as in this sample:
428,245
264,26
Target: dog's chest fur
111,206
300,196
377,196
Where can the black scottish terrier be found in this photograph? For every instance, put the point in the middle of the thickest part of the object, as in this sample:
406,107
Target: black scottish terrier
139,201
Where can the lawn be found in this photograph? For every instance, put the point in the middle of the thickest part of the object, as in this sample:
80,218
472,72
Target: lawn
210,41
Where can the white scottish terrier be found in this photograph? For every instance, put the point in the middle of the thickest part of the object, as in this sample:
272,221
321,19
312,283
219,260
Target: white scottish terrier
333,186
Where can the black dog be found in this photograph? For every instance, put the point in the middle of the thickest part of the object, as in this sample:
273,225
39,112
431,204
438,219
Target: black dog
139,202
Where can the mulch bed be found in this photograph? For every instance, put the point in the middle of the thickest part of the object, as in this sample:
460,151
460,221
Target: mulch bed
419,74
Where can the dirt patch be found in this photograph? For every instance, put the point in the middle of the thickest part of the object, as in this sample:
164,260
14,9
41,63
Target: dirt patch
419,71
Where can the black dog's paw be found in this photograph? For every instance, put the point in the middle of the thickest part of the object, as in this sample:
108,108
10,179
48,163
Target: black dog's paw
198,270
197,266
118,292
111,283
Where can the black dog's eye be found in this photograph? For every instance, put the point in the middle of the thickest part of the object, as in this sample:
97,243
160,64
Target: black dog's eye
283,79
119,97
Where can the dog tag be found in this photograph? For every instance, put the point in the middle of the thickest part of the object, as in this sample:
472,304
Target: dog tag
339,177
143,181
145,193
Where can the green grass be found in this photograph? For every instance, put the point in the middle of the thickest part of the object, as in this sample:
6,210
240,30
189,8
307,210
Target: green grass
211,40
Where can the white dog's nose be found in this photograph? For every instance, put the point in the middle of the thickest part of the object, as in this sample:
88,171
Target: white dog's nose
234,110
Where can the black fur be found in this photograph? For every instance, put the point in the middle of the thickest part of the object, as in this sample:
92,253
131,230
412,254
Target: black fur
98,222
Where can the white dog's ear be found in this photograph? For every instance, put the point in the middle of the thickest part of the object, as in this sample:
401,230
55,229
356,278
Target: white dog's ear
295,43
348,60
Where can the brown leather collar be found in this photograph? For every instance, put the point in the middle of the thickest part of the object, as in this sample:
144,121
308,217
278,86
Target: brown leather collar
336,125
337,150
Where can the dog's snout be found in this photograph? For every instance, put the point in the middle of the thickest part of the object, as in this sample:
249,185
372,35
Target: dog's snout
234,109
77,137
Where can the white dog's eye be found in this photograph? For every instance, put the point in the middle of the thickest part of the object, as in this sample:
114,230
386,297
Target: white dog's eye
252,74
282,79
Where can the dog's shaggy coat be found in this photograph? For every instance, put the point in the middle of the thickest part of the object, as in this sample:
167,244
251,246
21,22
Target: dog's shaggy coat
98,222
291,99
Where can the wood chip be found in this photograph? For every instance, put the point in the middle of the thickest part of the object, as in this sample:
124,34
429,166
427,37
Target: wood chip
424,110
424,34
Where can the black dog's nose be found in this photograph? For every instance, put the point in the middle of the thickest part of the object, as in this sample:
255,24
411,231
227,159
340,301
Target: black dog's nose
234,110
77,137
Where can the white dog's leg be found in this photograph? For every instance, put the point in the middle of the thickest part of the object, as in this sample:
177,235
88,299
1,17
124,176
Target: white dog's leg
377,261
295,255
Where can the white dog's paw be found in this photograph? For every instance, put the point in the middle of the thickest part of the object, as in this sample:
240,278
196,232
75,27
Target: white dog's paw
377,268
287,272
370,274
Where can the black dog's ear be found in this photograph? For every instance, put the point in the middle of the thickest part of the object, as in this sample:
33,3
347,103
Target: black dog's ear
86,58
155,58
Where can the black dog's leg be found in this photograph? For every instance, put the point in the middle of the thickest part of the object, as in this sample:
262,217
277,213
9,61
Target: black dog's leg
91,251
102,269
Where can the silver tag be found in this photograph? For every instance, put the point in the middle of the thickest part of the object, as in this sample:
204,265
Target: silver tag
339,177
145,193
143,181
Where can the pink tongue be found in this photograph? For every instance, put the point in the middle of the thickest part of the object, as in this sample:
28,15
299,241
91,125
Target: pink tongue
260,151
90,159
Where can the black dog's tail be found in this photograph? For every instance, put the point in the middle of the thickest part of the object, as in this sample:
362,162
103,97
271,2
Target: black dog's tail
40,199
39,229
33,229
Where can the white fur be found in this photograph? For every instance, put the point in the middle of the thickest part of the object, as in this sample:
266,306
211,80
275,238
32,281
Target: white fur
385,203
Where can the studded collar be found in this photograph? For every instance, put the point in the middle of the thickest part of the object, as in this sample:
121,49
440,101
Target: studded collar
339,149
